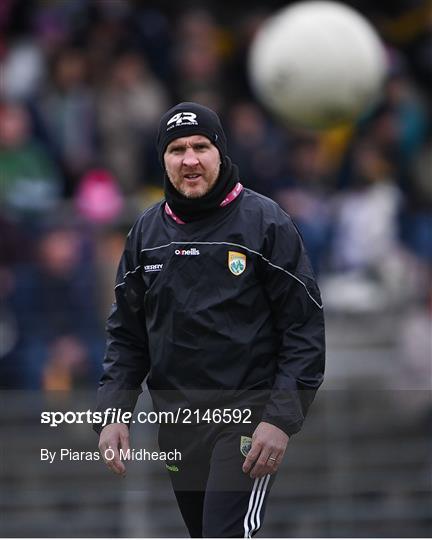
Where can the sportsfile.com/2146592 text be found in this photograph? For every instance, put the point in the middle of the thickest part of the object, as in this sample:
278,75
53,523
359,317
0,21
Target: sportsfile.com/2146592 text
179,416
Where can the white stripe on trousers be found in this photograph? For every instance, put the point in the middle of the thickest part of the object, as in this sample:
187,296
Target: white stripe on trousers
252,520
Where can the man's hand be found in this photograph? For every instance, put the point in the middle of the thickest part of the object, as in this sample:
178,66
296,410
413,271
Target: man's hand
112,438
268,448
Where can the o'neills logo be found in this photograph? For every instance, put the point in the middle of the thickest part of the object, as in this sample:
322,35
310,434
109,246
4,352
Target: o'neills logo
192,251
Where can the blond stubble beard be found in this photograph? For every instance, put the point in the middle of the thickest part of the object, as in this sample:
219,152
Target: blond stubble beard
199,195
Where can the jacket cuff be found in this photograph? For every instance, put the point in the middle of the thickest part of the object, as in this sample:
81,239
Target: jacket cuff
290,428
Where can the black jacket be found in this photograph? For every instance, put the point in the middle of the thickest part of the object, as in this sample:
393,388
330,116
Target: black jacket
221,311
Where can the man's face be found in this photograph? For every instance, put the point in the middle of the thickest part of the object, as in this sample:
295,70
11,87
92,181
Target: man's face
192,164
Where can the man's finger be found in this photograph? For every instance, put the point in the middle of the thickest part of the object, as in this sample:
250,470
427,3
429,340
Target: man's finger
115,464
261,467
111,457
124,444
274,461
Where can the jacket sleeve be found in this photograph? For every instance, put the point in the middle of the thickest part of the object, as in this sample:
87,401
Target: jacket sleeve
126,361
298,317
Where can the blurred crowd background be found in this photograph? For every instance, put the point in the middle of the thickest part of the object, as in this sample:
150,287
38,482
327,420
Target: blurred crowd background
83,85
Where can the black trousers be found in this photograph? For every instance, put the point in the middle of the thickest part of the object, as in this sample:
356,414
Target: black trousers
216,498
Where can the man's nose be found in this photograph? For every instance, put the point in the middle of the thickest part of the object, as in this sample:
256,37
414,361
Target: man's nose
190,158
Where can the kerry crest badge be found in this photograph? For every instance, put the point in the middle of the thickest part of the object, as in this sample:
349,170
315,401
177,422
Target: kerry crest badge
236,262
245,445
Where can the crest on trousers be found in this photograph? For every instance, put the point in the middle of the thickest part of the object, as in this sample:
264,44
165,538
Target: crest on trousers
236,262
245,445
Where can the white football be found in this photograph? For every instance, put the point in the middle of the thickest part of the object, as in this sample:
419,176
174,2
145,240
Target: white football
317,64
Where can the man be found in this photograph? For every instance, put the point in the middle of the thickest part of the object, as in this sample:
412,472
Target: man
216,302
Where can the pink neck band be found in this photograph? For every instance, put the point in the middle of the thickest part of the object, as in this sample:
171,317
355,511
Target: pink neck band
232,195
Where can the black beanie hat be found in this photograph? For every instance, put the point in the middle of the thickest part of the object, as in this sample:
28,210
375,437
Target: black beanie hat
187,119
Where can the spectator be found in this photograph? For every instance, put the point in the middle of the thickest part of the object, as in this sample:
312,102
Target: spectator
367,268
304,194
129,107
14,249
66,111
23,70
257,147
417,212
366,215
198,55
29,182
55,306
